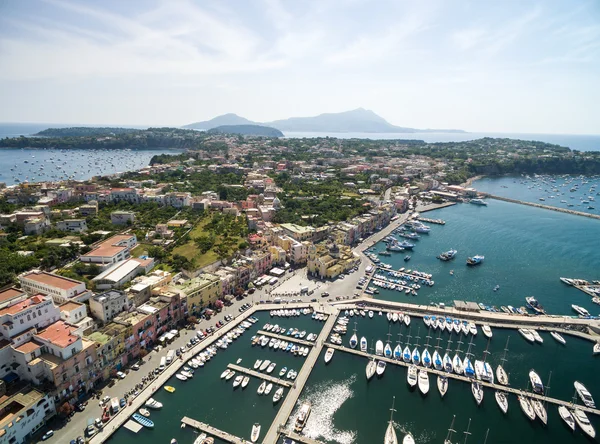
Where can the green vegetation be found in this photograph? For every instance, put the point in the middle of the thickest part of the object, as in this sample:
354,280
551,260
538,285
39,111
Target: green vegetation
84,131
246,130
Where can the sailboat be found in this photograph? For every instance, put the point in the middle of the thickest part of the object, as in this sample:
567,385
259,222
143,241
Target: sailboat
398,349
567,417
363,344
390,433
426,356
371,367
527,407
442,384
416,356
501,374
406,355
451,430
423,381
502,400
469,370
408,439
483,369
447,359
477,392
354,338
437,358
467,433
540,410
457,363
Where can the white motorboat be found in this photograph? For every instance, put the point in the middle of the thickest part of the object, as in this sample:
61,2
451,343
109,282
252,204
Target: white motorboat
502,400
596,349
371,368
245,381
268,388
328,355
181,377
371,314
423,382
302,417
271,367
406,320
278,395
255,432
584,423
390,433
540,410
408,439
395,317
265,364
567,417
477,391
580,310
389,316
558,337
363,344
201,439
411,376
379,348
237,381
527,334
584,395
442,385
152,403
527,407
536,382
537,336
380,367
473,329
225,373
261,388
487,331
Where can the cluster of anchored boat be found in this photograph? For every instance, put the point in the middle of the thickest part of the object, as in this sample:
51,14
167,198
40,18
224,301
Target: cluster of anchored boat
280,344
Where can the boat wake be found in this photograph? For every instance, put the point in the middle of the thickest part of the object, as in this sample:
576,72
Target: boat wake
326,398
409,427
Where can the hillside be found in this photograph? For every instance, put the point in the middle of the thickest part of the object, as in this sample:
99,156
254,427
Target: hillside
225,119
84,131
247,130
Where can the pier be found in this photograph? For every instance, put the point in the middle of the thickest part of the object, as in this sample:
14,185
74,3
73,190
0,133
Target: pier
285,338
228,437
260,375
432,221
494,386
292,396
301,438
545,207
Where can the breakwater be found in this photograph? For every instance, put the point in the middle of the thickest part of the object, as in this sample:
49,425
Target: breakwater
545,207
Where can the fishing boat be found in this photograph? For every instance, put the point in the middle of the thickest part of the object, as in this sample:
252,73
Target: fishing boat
567,417
501,400
527,334
255,432
303,415
540,410
477,391
169,388
411,375
380,367
363,344
526,407
278,394
487,331
261,388
390,433
536,382
475,260
584,423
143,420
447,255
558,337
584,395
152,403
442,385
329,355
534,305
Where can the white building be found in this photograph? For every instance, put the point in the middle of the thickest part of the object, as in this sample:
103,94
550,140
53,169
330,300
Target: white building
72,225
105,306
35,312
122,217
122,272
61,289
23,413
75,313
111,251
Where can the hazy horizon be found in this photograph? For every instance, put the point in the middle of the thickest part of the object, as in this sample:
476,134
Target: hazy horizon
509,67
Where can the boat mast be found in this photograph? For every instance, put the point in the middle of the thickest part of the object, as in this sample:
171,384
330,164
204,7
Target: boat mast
450,432
428,337
392,410
408,337
503,360
469,349
467,433
486,352
437,347
459,342
389,334
486,436
418,337
547,390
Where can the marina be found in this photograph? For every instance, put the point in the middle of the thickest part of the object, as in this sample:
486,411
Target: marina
285,338
259,375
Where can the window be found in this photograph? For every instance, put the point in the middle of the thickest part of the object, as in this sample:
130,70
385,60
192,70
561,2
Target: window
22,321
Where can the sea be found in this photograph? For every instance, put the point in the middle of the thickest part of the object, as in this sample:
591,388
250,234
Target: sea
526,250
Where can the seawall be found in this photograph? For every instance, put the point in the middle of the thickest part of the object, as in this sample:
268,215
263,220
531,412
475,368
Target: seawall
545,207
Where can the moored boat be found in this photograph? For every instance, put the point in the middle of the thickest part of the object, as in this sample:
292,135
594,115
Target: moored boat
423,382
584,395
390,433
584,423
526,407
411,376
540,410
371,368
477,391
381,365
501,400
558,337
278,394
329,355
442,385
526,333
536,382
255,432
143,420
152,403
487,331
567,417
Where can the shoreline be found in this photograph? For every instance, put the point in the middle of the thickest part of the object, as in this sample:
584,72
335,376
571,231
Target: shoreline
470,180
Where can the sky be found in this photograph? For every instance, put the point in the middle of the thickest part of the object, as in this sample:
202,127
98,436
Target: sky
504,66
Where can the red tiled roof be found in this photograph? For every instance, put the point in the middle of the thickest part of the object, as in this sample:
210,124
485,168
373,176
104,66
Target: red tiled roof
20,306
53,280
28,347
59,334
9,294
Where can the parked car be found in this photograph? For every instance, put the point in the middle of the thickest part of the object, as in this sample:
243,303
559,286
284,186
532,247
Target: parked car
251,290
122,402
121,375
49,434
98,423
90,430
135,367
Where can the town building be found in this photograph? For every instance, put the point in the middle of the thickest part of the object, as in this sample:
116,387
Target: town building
61,289
22,413
72,225
106,306
112,250
122,217
328,261
120,273
200,291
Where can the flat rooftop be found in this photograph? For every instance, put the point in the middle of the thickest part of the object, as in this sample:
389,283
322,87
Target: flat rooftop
52,280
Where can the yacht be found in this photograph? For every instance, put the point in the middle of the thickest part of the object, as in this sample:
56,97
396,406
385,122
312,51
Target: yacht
303,415
442,384
261,388
437,361
390,433
477,392
478,202
363,344
585,395
580,310
567,417
527,334
426,358
379,348
408,439
447,255
423,381
380,367
536,382
329,355
558,337
540,410
536,336
475,260
502,401
457,364
152,403
411,375
255,432
371,368
278,394
533,304
487,331
584,423
527,407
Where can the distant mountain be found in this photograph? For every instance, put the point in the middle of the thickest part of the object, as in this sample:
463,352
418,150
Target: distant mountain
358,121
225,119
247,130
85,131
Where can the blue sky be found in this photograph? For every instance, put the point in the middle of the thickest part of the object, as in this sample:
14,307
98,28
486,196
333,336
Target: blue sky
509,66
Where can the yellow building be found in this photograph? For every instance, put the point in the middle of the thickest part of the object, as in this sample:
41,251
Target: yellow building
328,261
111,346
201,291
278,255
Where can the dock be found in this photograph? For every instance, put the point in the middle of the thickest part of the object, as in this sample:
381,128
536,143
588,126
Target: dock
291,398
301,438
133,426
228,437
260,375
545,207
432,221
285,338
433,371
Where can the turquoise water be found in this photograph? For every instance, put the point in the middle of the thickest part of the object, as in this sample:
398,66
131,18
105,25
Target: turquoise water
569,192
526,250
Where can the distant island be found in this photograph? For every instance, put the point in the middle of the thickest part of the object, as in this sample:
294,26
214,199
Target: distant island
359,120
246,130
85,131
